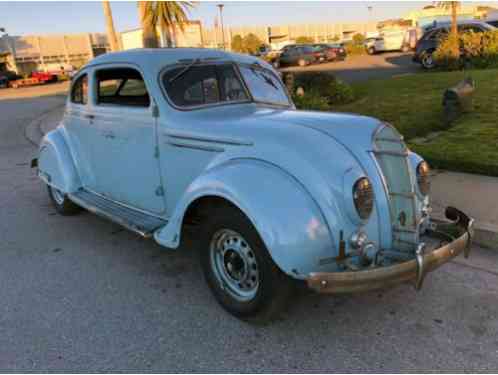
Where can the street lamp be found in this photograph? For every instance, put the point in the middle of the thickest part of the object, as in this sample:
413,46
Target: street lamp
220,6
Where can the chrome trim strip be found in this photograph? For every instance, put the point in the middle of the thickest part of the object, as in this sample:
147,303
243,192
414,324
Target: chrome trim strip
207,138
196,147
107,215
124,204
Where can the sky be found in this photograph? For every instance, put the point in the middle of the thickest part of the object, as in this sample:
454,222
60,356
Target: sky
24,18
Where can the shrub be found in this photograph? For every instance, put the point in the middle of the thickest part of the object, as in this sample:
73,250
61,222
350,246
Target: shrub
476,50
328,87
356,46
311,100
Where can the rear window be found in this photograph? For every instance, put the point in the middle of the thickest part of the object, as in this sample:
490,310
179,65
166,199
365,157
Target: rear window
203,85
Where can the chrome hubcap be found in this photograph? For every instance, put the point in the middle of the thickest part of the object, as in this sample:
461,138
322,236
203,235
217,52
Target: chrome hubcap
428,61
234,264
58,196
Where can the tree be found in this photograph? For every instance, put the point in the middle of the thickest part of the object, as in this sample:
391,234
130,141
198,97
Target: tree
251,43
237,44
166,15
453,5
358,39
304,40
109,23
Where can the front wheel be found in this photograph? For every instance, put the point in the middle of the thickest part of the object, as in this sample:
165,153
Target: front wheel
62,203
239,270
428,61
371,51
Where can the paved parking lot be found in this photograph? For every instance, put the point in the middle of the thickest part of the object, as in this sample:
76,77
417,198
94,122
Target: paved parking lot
364,67
82,294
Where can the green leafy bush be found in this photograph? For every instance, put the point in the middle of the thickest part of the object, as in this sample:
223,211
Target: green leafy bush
356,46
328,87
476,50
311,101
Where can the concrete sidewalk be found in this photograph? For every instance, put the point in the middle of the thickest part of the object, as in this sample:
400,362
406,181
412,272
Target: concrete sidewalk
475,195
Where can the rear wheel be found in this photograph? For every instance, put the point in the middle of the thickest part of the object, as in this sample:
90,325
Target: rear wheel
62,203
239,270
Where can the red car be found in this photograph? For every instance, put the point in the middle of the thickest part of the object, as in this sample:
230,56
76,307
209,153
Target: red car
332,52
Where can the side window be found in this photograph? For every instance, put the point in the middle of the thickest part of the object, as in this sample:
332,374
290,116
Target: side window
202,85
121,86
79,92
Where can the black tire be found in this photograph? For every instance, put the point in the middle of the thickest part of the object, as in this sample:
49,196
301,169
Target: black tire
63,205
274,287
427,60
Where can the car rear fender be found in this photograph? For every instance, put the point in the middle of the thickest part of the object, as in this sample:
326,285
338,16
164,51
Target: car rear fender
287,218
56,165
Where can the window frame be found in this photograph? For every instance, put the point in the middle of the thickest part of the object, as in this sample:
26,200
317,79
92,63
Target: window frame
88,89
96,86
235,65
284,87
170,67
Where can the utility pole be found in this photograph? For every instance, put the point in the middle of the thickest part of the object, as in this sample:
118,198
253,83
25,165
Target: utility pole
220,6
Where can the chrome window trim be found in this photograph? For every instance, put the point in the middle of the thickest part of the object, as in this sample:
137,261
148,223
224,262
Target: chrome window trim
202,106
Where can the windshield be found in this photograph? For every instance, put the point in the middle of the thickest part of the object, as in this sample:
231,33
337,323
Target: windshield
264,86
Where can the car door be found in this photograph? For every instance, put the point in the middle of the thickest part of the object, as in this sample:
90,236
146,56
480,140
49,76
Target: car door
124,156
285,57
78,122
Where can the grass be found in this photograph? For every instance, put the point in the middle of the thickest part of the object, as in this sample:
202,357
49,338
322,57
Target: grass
413,104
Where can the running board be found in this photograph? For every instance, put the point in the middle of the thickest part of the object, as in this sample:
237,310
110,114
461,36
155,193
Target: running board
132,219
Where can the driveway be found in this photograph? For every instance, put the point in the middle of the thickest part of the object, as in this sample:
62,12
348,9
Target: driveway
365,67
82,294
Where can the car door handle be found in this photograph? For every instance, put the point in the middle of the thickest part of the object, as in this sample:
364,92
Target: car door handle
90,117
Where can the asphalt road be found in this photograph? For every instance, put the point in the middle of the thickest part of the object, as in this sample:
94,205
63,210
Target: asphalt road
365,67
82,294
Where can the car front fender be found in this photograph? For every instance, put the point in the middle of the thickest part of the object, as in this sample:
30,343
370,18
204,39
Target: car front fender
55,163
289,221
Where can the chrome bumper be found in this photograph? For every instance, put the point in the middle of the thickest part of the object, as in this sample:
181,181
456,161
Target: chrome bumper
413,270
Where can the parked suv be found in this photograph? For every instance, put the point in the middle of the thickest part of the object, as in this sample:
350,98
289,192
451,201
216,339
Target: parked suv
432,38
301,55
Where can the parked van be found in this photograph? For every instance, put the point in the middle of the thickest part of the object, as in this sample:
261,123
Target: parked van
396,40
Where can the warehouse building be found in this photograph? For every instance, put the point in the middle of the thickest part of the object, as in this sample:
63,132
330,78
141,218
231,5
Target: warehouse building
24,54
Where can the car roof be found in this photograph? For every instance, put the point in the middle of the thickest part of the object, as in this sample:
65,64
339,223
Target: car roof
446,24
156,59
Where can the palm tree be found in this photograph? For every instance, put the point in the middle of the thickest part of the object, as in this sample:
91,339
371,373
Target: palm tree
111,33
165,14
453,5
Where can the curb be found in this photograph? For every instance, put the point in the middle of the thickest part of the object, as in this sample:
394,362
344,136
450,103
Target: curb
34,132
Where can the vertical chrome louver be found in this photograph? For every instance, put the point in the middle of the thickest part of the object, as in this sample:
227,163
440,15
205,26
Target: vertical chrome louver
391,155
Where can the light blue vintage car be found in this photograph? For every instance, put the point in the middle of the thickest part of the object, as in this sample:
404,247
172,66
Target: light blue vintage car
160,140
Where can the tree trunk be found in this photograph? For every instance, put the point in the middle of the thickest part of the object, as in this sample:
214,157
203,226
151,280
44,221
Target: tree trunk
149,34
454,28
111,33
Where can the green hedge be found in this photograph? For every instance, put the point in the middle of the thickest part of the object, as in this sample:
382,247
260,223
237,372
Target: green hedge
321,91
476,50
